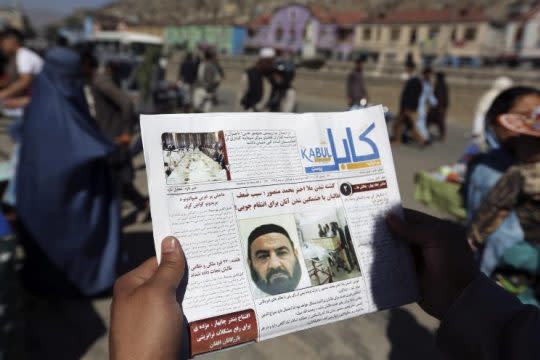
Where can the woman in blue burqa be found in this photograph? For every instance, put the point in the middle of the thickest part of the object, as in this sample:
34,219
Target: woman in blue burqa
66,202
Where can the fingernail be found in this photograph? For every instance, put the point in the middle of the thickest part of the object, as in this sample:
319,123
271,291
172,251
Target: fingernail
168,245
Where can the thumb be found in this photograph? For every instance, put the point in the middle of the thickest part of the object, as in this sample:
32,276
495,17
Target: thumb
171,268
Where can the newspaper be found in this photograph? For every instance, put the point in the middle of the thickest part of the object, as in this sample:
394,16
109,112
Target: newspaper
281,218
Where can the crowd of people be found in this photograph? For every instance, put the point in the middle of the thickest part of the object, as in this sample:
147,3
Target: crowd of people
423,103
265,86
73,128
74,134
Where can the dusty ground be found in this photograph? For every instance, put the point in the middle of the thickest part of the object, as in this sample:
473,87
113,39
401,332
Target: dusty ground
328,89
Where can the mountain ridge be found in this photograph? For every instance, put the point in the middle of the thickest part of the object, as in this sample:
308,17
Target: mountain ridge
173,12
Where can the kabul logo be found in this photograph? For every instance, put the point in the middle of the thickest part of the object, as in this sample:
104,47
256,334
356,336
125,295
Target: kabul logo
316,154
352,159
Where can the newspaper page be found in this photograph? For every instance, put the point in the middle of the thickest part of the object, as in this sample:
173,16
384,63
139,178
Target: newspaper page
281,218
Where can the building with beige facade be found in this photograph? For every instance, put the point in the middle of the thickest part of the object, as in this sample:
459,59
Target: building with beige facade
10,17
522,41
442,35
148,29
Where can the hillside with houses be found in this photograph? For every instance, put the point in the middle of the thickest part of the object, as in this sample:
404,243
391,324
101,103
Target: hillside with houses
168,12
457,33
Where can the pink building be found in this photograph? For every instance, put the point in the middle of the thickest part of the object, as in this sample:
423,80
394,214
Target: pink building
293,27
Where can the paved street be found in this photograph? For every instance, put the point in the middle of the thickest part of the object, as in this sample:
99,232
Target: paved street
404,333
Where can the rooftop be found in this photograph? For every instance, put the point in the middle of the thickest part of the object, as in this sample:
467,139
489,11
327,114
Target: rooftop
408,16
324,15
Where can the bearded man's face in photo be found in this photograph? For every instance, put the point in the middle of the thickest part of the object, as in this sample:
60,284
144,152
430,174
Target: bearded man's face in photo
274,264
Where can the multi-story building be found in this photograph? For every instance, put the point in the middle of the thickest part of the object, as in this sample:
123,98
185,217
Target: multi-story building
522,41
304,29
443,35
226,39
11,17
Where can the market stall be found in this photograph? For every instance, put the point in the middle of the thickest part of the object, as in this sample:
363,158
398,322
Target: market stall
440,190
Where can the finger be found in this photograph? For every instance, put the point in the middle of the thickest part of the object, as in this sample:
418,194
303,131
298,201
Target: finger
403,230
414,217
171,269
137,276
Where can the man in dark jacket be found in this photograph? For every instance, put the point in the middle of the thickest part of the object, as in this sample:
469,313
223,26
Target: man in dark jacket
188,69
408,112
252,95
437,114
112,110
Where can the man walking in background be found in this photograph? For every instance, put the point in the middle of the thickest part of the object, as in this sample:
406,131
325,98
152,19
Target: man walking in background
16,94
188,75
437,114
253,95
408,112
356,89
426,102
28,64
112,110
208,79
188,69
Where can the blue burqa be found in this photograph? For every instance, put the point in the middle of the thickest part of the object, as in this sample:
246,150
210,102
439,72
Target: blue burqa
65,196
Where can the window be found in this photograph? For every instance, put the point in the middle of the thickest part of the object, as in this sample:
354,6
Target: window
279,34
378,33
470,34
251,33
412,36
292,35
394,34
343,34
323,33
367,34
433,32
453,35
518,38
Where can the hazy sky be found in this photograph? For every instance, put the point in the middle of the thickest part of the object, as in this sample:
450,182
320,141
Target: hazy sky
63,6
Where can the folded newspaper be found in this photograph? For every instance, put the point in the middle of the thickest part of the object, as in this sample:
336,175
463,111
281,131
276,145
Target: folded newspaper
281,218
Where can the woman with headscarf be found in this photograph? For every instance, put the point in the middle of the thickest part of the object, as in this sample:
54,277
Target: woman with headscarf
485,170
518,191
66,201
479,124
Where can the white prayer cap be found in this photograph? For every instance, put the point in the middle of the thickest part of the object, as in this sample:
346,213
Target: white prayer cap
267,53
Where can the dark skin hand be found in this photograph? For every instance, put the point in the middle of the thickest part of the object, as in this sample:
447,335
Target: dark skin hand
443,259
124,139
146,319
16,102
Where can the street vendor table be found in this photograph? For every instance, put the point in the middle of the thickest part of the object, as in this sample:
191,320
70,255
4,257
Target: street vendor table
439,195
